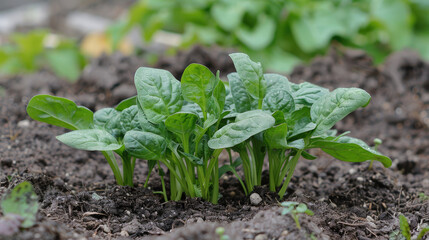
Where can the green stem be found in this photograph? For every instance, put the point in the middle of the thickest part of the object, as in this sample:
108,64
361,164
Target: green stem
284,168
259,156
110,157
164,192
127,170
188,179
296,219
173,171
292,166
246,167
253,167
271,168
215,194
133,164
213,167
260,103
146,183
239,179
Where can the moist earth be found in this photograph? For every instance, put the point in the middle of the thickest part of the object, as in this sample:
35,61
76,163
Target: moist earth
79,199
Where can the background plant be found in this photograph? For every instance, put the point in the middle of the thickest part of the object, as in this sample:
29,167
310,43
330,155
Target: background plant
405,231
39,49
19,209
282,33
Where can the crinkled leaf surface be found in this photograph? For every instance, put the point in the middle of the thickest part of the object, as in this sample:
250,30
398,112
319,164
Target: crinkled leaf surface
246,125
277,82
159,93
60,112
333,107
23,202
308,93
242,100
144,145
145,125
90,140
251,74
129,119
279,100
103,116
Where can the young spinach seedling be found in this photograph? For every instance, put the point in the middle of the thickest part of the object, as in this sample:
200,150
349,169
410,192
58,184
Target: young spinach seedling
405,229
294,209
19,209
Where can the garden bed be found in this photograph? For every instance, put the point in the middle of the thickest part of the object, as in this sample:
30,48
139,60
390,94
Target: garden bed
79,198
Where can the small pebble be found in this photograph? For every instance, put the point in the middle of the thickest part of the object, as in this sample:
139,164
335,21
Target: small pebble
124,233
261,237
24,124
313,169
352,171
255,199
360,179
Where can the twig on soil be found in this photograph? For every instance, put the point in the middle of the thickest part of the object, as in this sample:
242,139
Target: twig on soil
375,235
354,224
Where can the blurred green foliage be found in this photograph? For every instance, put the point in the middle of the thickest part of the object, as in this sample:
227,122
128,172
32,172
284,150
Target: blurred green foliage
39,49
282,33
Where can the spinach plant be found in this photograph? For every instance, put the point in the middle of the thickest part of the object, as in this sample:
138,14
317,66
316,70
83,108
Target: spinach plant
284,120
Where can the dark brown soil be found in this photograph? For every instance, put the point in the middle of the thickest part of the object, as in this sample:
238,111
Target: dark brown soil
79,198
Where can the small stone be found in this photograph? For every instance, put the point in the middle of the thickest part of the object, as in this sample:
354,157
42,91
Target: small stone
261,237
255,199
352,171
105,228
200,220
360,179
24,124
124,233
313,169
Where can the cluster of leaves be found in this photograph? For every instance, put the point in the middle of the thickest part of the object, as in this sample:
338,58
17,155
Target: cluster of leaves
294,209
405,232
38,49
279,31
186,125
19,209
